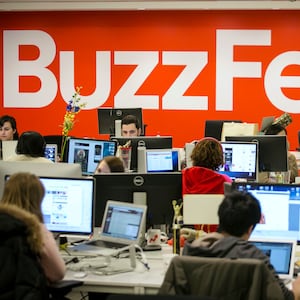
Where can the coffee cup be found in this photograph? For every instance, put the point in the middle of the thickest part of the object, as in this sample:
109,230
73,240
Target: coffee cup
155,237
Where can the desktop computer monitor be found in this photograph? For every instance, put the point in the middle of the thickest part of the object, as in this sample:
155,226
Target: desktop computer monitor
107,117
68,204
149,142
39,169
272,151
280,205
88,152
156,190
158,160
240,160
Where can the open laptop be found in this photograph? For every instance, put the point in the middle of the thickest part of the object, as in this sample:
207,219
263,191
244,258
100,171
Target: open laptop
282,254
123,224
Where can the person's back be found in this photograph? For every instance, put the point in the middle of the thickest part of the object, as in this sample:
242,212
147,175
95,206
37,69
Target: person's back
238,215
202,177
30,147
22,276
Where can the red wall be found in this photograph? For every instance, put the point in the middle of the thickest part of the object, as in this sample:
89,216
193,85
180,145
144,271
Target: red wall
240,65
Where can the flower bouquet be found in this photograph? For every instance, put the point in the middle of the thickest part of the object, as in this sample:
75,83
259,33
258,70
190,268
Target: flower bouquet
74,106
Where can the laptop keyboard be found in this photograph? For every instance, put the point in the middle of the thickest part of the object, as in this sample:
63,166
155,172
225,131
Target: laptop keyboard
106,244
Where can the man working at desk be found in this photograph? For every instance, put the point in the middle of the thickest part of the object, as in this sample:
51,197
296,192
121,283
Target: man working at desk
130,126
238,215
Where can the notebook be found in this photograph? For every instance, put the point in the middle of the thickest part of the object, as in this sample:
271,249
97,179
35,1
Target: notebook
282,254
123,224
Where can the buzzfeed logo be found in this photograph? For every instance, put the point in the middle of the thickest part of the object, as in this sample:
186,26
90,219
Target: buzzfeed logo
146,61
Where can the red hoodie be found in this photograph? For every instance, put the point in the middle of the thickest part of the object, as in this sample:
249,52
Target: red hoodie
199,180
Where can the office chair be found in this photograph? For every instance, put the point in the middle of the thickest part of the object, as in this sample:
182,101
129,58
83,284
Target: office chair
220,278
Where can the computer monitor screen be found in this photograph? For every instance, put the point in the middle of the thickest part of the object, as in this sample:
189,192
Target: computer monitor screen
88,152
272,151
107,117
213,128
68,204
280,204
57,140
39,169
51,152
240,160
156,190
162,160
149,142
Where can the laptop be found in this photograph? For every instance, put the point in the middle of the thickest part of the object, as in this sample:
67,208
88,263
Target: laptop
282,254
123,224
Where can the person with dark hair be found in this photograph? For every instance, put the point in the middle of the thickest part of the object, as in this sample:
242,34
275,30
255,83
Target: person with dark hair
278,129
8,128
238,213
30,147
110,164
203,176
130,126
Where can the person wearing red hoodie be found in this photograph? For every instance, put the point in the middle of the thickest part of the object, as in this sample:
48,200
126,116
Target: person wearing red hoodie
203,177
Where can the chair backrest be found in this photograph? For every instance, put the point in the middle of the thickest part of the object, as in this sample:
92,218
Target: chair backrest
220,278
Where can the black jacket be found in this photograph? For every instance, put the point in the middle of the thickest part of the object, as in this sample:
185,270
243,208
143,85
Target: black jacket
21,276
216,245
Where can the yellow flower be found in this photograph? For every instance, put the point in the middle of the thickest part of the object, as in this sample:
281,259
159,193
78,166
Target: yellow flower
74,106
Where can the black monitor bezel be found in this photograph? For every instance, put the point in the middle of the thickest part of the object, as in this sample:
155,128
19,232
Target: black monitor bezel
120,187
267,144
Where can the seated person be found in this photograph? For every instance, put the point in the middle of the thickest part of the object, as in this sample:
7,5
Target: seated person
130,126
278,129
110,164
31,147
8,128
25,191
238,215
202,177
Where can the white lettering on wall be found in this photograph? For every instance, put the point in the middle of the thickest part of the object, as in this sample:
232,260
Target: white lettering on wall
145,62
174,98
103,78
227,69
13,68
274,82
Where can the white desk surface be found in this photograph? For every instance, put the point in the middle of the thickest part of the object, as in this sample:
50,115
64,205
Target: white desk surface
139,281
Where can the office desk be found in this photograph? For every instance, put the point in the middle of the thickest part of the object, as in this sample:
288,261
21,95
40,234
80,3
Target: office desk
139,281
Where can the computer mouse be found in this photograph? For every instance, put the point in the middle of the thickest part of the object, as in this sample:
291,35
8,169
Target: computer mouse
79,274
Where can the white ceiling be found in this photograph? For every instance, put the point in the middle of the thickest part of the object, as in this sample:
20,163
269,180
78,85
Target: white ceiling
41,5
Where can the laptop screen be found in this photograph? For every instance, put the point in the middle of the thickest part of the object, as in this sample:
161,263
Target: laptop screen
281,254
68,204
123,221
280,205
88,152
240,160
162,160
